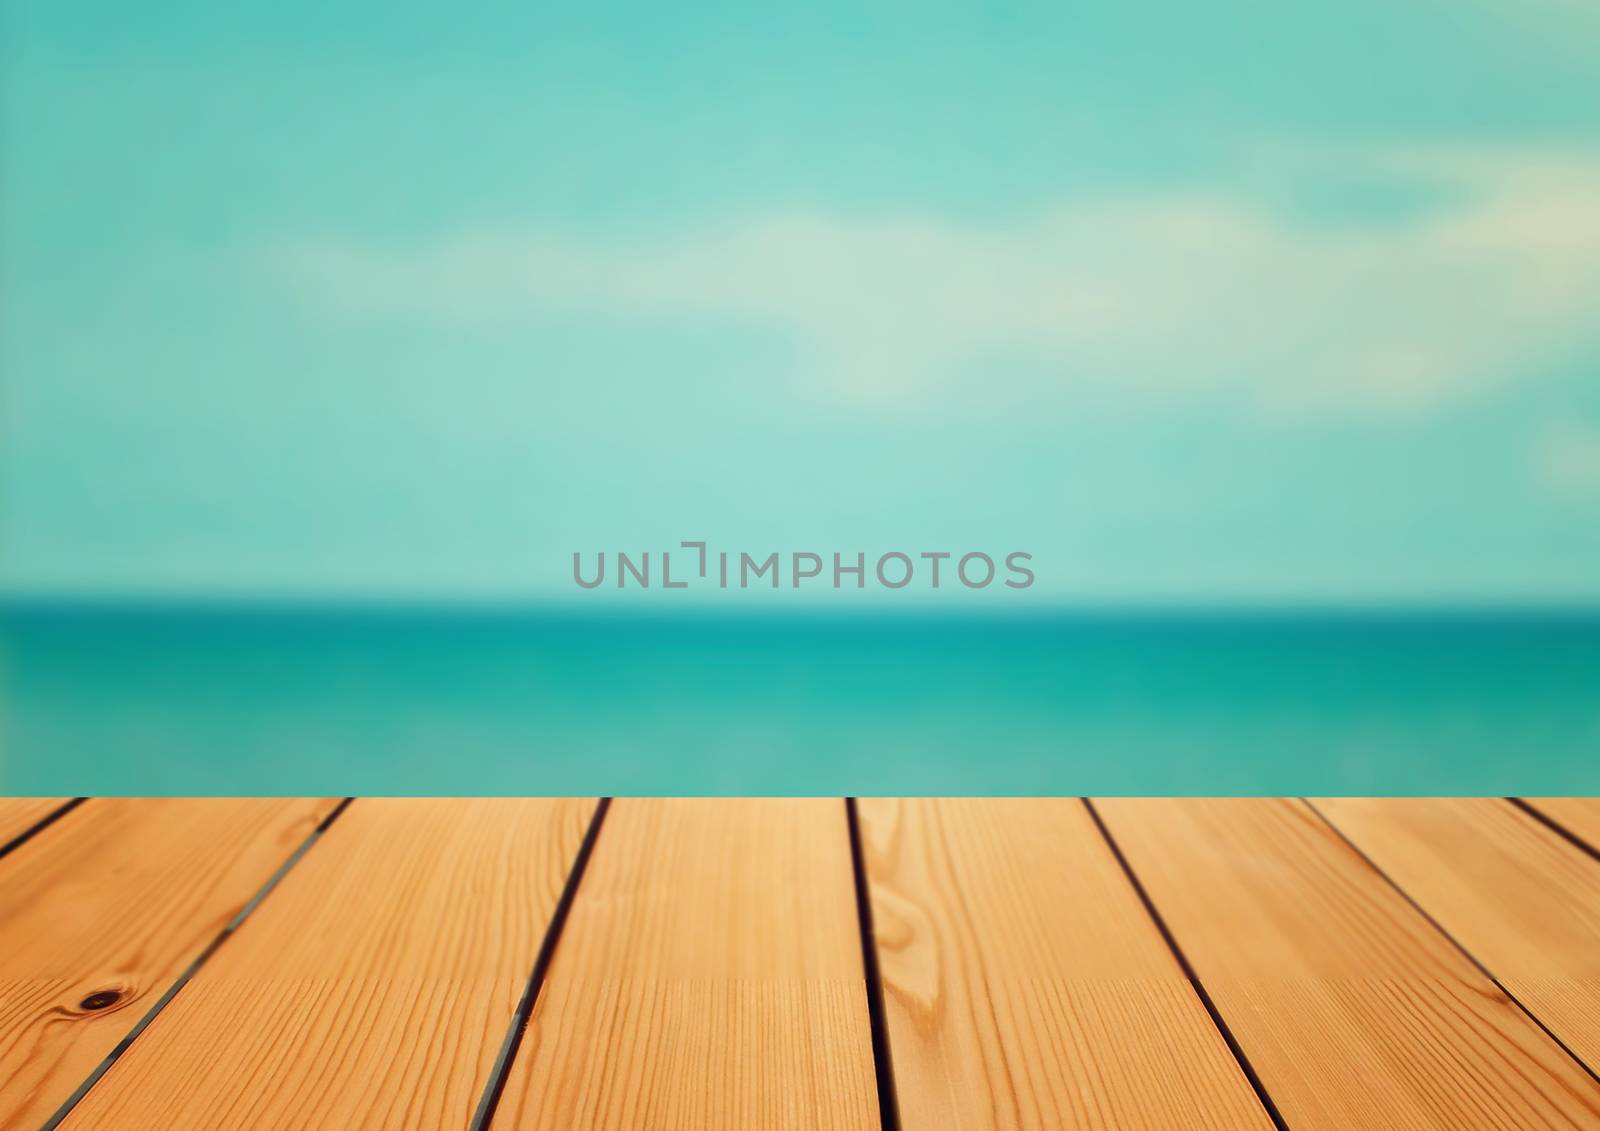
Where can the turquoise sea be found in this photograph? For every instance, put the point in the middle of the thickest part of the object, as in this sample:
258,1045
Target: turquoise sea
213,700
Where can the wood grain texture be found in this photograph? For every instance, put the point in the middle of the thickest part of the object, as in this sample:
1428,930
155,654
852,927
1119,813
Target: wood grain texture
119,896
1353,1009
372,989
1580,816
1025,985
1519,897
710,977
19,814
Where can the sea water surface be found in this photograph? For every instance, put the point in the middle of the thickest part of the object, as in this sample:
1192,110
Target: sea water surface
210,700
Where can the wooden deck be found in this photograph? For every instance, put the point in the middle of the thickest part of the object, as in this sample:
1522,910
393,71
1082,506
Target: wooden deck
802,963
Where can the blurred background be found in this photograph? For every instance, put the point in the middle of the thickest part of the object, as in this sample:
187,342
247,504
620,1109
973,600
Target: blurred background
329,332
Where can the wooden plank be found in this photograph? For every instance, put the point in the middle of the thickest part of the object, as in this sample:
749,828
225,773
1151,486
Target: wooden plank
116,901
1025,985
710,977
372,989
1523,900
1353,1009
19,814
1580,816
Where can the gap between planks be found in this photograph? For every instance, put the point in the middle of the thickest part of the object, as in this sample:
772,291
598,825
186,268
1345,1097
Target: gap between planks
108,912
23,818
710,975
380,977
1317,962
1027,984
1501,885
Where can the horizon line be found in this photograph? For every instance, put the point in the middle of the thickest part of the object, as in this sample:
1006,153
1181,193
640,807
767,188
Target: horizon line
766,607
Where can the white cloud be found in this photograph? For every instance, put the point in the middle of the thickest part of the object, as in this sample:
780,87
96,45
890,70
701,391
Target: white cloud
1172,293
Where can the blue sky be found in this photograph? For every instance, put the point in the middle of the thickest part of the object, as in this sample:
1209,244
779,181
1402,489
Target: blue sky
1259,301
